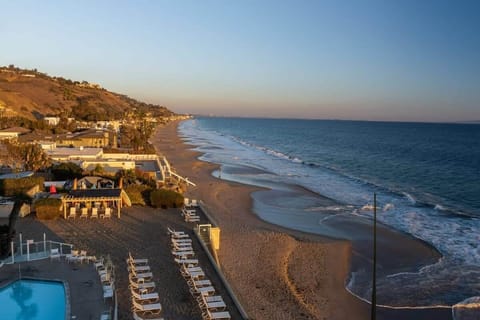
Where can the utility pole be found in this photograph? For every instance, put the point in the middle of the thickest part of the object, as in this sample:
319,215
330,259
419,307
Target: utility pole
374,282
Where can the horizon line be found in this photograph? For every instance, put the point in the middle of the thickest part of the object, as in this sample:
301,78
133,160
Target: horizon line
477,122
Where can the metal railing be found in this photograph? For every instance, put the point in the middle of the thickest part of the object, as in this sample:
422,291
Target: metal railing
29,250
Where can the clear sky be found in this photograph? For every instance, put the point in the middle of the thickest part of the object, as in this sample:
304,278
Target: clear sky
373,60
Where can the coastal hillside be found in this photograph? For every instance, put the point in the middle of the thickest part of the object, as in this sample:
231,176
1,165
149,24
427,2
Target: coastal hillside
32,94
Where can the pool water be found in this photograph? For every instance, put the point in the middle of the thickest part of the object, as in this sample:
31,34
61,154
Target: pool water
33,300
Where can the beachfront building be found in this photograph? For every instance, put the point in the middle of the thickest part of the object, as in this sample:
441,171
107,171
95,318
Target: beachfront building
52,121
108,166
91,138
75,155
12,133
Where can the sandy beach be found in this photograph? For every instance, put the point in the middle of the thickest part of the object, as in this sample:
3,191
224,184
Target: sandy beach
279,273
276,273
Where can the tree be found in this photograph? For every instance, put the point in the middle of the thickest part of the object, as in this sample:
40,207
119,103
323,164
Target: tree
129,176
30,156
34,157
67,171
98,169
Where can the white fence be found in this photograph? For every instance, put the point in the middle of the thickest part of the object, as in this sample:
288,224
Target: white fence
29,250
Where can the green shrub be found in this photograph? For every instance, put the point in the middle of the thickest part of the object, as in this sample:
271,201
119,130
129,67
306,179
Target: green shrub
48,208
138,194
15,187
163,198
67,171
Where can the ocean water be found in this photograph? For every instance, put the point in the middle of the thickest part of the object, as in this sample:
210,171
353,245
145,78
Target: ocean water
426,176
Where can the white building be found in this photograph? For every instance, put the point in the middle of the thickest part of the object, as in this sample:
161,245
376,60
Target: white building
76,155
52,121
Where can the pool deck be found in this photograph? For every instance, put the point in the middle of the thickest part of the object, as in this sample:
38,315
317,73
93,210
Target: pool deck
141,231
84,287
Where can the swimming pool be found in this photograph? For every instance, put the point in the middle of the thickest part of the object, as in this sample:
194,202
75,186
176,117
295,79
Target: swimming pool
33,300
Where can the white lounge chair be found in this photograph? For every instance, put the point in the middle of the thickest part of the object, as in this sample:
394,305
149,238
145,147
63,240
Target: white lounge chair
213,315
131,260
189,262
183,248
183,254
105,315
54,254
213,306
145,297
106,277
177,234
210,298
72,256
201,283
140,277
136,316
82,256
186,211
145,286
184,240
153,308
108,213
84,213
136,268
100,264
94,213
108,291
203,290
192,219
193,273
73,213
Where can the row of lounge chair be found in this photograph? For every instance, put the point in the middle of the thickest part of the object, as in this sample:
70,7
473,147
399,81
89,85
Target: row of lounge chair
201,288
94,213
79,256
145,301
106,272
190,215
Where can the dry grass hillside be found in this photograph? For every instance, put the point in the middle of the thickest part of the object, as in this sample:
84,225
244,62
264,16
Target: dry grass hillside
32,94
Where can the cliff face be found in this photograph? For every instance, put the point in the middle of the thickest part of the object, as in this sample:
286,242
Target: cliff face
32,94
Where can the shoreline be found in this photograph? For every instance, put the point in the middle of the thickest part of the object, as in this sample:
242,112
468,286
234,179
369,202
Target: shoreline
268,266
337,296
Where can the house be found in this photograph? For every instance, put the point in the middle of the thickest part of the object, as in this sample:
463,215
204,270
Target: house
90,138
12,133
52,121
16,175
75,155
109,166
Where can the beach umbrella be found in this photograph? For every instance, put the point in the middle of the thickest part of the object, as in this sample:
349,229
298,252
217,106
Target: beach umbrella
53,189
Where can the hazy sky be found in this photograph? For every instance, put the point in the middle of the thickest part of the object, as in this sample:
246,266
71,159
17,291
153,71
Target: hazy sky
376,60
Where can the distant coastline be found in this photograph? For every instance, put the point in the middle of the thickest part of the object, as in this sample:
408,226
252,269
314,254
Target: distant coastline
334,119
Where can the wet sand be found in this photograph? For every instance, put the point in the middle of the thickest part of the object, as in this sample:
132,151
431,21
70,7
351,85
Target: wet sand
276,272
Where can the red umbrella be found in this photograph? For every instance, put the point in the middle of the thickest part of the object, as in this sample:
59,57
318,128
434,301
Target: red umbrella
53,189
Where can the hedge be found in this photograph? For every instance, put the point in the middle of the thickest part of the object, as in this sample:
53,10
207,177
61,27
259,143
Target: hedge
15,187
48,208
163,198
138,194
